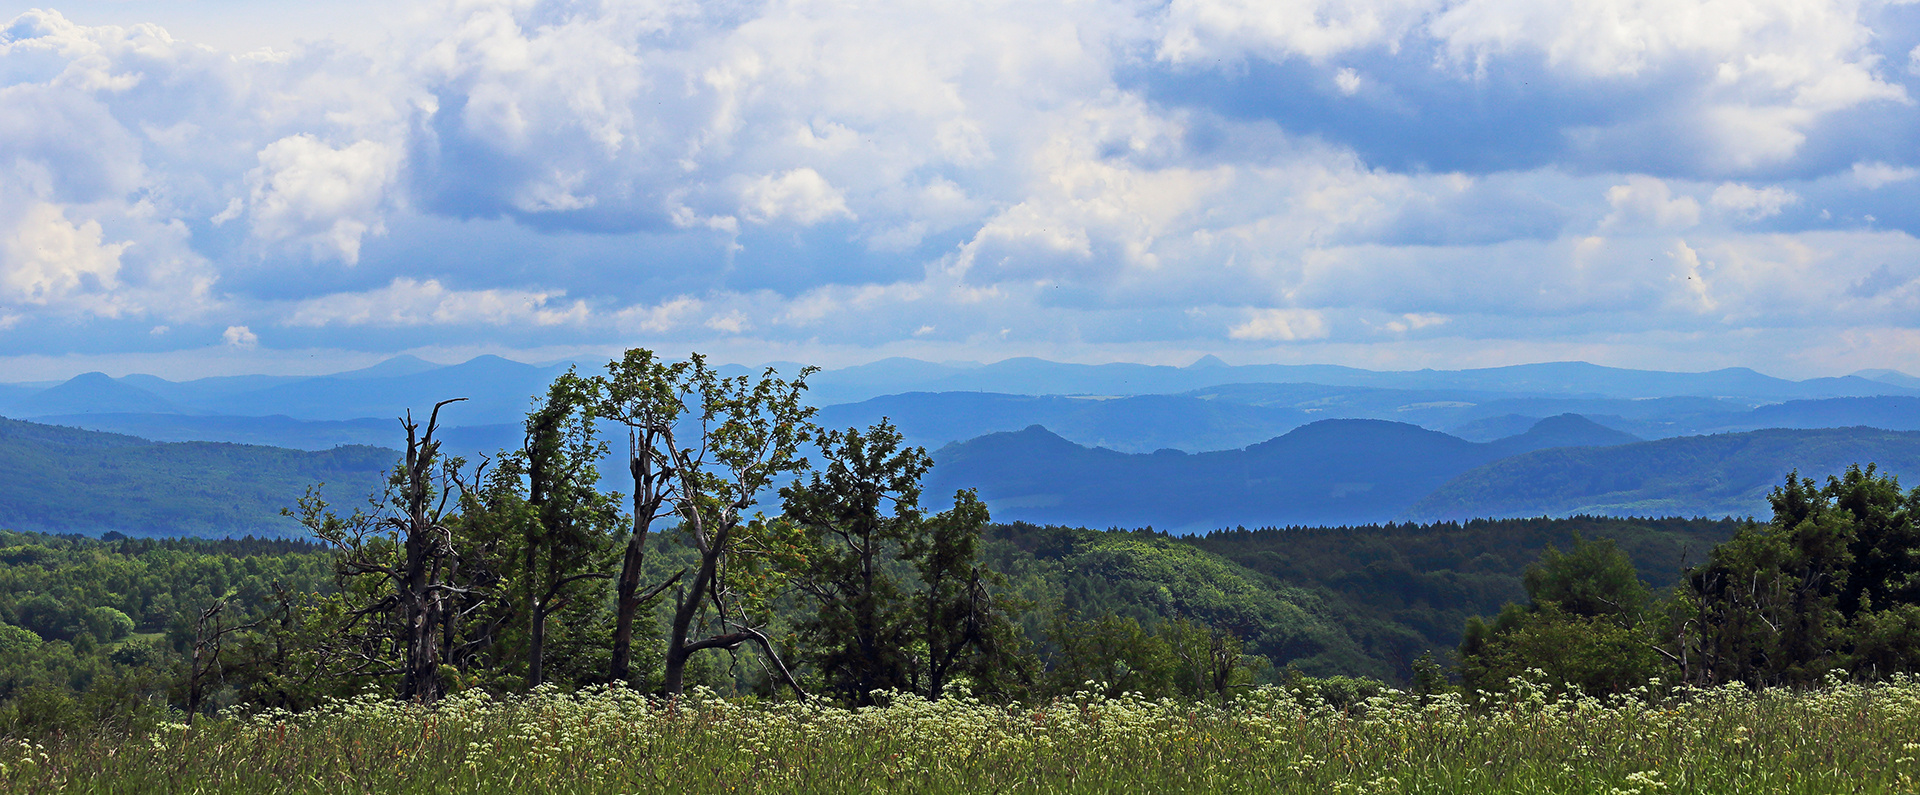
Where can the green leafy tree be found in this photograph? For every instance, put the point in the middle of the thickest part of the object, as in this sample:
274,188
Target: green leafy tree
966,628
648,398
571,523
1583,626
900,599
1826,585
859,511
745,434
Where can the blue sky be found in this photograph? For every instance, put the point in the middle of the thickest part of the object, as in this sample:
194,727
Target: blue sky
194,188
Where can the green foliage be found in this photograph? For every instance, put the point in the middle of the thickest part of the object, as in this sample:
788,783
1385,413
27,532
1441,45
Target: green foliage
900,601
116,622
1400,591
1582,628
1829,584
858,512
1593,580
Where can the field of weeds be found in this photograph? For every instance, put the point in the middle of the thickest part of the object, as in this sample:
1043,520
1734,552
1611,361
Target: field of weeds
1840,738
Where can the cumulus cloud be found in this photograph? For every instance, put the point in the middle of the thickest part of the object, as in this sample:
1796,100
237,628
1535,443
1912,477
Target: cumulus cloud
1753,203
1281,325
327,198
240,337
974,173
49,259
1875,175
407,302
1645,200
800,195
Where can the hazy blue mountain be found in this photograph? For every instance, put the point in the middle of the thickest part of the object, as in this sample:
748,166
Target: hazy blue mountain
200,393
1132,424
497,391
396,366
1459,410
1565,430
66,480
1670,417
1894,377
1561,379
283,431
1893,413
91,393
1717,475
276,431
1487,429
1325,473
1208,405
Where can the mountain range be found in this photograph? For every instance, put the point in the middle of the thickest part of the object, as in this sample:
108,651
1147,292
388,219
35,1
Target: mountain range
1330,472
1354,472
1197,447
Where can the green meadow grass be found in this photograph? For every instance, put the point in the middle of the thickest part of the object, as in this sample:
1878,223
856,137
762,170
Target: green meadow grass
1840,738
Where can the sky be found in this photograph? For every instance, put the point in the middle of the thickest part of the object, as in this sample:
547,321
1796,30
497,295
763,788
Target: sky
203,187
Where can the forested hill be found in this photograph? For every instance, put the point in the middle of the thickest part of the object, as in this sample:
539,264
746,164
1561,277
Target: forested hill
1718,475
1350,472
66,480
1331,472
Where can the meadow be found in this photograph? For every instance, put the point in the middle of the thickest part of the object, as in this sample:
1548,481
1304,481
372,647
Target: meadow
1840,737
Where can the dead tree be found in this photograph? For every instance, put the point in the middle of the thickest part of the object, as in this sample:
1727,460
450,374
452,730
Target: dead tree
208,634
402,541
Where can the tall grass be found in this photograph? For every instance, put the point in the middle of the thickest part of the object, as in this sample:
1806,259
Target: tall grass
1840,738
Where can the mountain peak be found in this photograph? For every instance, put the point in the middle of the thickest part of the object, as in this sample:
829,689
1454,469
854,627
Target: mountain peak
1207,362
1564,430
404,364
93,393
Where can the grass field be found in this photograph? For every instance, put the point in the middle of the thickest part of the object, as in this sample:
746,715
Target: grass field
1841,738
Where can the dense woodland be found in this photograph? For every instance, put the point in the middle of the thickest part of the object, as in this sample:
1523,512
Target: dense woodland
756,554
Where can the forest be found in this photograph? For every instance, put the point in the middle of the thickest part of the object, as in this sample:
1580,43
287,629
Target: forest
754,558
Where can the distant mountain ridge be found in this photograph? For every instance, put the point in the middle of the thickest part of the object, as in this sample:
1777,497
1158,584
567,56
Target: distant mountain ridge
65,480
1330,472
499,389
1339,472
1565,379
1727,474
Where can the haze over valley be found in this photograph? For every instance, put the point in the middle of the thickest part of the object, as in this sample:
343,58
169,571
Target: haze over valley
1186,449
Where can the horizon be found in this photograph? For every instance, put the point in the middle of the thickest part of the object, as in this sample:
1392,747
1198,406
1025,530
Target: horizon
216,188
960,364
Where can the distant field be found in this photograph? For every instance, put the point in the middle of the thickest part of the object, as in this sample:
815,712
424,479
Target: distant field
1839,739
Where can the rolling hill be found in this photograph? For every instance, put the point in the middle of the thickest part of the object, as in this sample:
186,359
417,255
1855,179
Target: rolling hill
1717,475
66,480
1136,424
1325,473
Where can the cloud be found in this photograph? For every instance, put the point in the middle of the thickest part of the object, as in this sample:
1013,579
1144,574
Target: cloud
406,302
800,195
1031,177
1648,201
50,260
1753,203
1876,175
240,337
327,198
1281,325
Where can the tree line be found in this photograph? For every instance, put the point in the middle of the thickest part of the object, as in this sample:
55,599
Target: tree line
1829,586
